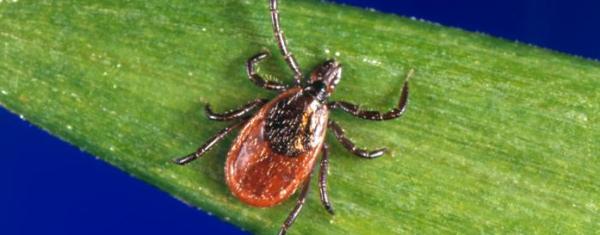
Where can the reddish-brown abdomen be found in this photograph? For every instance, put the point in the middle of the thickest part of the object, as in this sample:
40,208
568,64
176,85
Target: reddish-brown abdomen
261,177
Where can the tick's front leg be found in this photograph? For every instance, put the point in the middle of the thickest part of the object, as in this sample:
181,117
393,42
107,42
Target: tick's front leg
375,115
257,79
282,43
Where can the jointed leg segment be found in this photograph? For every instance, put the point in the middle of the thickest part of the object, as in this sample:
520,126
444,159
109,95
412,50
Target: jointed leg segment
347,143
374,115
234,114
282,43
323,180
299,204
257,79
208,145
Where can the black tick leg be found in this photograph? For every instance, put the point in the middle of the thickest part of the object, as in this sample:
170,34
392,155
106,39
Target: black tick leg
282,43
234,114
347,143
323,180
375,115
299,204
208,145
257,79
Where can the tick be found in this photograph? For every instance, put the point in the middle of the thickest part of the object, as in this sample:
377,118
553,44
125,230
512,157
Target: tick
276,151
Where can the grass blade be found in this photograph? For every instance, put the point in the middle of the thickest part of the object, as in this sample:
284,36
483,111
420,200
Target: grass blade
499,137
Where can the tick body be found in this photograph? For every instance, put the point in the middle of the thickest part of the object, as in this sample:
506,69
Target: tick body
279,145
276,150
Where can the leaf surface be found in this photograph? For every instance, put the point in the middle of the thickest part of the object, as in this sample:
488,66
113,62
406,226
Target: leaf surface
499,137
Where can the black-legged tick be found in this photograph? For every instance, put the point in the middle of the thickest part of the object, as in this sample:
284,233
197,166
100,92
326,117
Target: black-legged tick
278,146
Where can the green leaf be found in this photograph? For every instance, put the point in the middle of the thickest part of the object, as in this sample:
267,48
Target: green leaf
499,137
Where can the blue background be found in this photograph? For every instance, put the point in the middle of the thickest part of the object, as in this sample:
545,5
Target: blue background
50,187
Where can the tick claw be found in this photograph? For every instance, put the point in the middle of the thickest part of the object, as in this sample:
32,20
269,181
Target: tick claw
378,153
184,160
330,210
177,161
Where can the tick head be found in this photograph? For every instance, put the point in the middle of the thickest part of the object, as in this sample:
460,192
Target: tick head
324,79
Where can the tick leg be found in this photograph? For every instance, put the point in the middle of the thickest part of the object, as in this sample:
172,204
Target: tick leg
323,180
234,114
282,43
208,145
299,204
375,115
347,143
257,79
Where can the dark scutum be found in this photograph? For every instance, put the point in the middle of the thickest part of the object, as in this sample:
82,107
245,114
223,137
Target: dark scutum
288,125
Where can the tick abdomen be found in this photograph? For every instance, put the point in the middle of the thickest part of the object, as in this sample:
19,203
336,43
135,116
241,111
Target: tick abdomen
255,172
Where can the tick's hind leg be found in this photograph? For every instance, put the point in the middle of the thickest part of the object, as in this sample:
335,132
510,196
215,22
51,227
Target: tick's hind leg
375,115
208,145
323,180
347,143
299,204
257,79
234,114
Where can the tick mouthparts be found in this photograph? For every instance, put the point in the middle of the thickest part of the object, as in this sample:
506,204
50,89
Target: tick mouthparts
333,73
335,64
